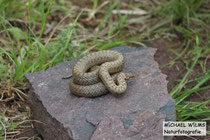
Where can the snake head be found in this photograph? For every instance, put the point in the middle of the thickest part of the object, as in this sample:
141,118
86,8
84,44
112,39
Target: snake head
129,76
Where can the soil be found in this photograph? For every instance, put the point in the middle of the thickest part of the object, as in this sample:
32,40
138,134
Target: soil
164,56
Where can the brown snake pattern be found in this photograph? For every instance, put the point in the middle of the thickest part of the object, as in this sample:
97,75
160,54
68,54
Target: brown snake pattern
99,81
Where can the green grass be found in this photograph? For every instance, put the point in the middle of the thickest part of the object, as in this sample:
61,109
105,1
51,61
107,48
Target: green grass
36,56
192,26
26,49
8,129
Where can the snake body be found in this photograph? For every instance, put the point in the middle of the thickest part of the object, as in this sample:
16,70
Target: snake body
100,80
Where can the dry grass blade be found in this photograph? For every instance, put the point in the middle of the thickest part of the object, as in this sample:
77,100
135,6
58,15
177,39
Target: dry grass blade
6,89
205,62
92,13
136,20
55,28
4,129
129,12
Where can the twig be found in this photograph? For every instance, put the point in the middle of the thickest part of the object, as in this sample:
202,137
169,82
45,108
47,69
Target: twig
208,56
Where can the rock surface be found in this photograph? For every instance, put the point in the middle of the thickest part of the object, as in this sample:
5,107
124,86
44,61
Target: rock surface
137,114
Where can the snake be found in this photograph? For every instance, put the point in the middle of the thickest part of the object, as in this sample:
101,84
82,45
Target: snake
99,73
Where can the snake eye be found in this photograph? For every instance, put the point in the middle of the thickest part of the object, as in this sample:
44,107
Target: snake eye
129,76
132,77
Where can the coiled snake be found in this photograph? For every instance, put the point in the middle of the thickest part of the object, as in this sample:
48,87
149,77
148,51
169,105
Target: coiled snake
98,80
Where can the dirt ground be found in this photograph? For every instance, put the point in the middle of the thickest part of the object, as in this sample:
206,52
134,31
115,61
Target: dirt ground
164,56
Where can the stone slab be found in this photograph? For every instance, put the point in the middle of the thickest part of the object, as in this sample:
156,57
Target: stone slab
137,114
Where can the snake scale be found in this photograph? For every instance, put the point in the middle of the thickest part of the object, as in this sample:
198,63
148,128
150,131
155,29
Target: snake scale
106,77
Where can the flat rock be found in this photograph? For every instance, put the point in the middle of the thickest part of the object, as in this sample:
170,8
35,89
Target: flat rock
136,114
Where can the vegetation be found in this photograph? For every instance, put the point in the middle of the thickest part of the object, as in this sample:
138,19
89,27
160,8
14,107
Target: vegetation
36,35
190,21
